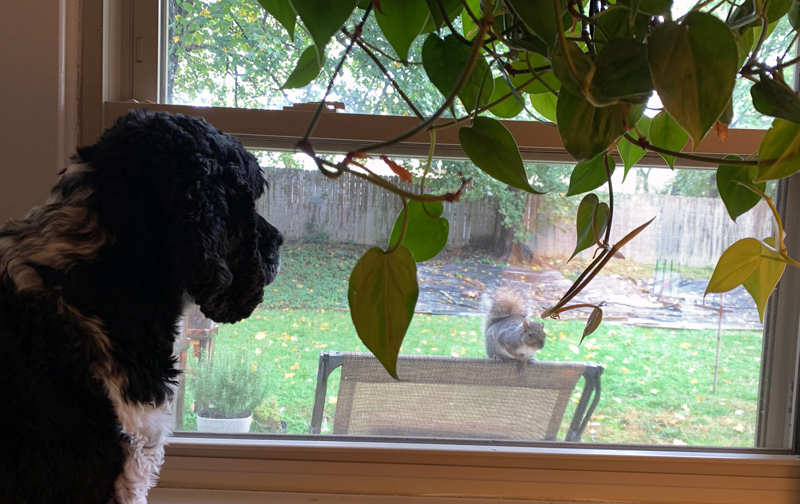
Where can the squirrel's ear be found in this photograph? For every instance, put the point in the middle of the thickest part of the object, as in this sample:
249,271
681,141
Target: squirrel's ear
525,324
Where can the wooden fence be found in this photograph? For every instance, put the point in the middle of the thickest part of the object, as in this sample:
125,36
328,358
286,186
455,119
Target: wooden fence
690,231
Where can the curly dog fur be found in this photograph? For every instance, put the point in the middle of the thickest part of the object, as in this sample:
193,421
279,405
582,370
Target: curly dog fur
159,212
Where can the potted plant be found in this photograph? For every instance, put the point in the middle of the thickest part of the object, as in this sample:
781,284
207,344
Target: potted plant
227,388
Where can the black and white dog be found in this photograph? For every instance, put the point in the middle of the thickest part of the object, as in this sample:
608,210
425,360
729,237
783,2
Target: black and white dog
159,212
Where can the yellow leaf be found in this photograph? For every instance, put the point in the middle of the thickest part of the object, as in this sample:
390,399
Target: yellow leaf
735,266
176,38
763,281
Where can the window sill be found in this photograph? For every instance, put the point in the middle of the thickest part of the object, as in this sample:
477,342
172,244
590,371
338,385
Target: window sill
507,472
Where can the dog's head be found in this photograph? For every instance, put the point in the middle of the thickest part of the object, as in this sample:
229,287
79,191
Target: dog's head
182,186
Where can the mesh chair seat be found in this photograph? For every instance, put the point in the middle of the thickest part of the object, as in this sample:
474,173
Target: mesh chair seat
449,397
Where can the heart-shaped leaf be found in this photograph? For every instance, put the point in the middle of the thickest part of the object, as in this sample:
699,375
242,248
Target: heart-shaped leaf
402,22
589,175
761,283
382,295
632,153
445,59
468,26
307,69
545,104
694,67
586,130
616,21
667,134
323,18
426,236
507,109
779,152
493,149
590,210
735,266
538,16
282,11
584,67
737,198
622,72
776,100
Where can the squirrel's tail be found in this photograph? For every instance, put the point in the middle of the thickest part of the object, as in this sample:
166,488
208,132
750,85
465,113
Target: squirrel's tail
505,301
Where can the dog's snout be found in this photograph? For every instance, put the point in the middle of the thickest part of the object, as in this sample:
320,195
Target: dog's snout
278,238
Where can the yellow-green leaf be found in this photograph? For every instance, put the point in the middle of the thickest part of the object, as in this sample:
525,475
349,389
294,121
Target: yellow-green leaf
761,283
545,104
426,235
779,153
382,295
735,266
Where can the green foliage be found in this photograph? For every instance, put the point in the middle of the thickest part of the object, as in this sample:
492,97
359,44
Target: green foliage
591,222
602,78
590,175
738,199
426,233
229,383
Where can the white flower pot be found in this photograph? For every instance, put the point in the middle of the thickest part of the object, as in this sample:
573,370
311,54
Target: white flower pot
224,425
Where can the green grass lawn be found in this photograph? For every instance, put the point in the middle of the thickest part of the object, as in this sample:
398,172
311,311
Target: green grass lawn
657,385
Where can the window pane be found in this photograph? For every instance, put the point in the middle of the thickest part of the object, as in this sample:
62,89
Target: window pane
676,369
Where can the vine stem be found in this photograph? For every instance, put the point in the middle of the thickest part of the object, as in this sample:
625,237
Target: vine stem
462,81
403,229
318,113
432,133
610,202
761,10
641,142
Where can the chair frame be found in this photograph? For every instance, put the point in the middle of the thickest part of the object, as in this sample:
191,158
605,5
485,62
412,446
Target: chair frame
328,361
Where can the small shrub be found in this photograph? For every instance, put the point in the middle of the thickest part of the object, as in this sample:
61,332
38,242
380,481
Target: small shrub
227,385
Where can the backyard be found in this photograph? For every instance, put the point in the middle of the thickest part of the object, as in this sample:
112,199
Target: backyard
657,383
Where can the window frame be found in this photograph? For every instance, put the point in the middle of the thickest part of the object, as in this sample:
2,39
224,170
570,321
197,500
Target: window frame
120,64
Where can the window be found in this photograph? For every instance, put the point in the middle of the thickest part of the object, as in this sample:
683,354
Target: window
761,389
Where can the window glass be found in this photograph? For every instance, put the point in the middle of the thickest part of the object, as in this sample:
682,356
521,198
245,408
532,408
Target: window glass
228,53
677,368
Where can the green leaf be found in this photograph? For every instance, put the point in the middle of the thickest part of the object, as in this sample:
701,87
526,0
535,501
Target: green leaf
632,153
584,66
587,131
651,7
589,175
283,12
777,9
452,7
323,18
738,199
493,149
545,104
667,134
468,26
507,109
445,59
735,266
307,69
763,281
616,21
402,22
382,295
779,152
794,15
622,72
538,16
694,67
773,99
426,236
537,87
590,209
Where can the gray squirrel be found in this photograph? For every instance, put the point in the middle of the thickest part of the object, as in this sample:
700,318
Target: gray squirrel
509,335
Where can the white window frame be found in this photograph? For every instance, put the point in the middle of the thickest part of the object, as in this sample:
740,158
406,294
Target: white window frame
120,62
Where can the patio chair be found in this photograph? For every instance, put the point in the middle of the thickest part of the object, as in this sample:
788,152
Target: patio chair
455,397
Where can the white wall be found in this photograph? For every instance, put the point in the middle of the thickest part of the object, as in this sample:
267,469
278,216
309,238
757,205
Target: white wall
33,107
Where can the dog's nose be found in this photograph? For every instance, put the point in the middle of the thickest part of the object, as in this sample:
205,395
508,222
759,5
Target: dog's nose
279,238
